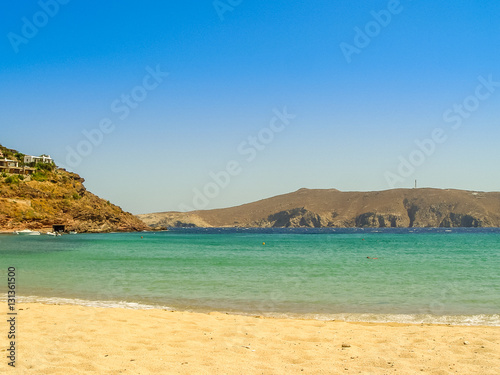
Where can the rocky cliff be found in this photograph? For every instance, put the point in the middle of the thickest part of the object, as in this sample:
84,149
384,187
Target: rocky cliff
55,196
332,208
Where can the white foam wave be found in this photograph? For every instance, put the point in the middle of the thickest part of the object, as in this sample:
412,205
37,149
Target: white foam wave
82,302
461,320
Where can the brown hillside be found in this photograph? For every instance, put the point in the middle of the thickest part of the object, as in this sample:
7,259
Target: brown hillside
333,208
55,196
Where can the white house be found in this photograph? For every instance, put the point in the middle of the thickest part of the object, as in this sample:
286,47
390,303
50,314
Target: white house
37,159
7,163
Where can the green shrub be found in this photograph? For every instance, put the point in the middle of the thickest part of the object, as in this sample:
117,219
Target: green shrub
13,179
19,156
45,166
39,176
76,196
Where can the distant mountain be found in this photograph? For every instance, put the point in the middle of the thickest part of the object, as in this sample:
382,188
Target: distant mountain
333,208
37,195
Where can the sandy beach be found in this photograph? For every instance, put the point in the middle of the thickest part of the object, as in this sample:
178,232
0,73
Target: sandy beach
67,339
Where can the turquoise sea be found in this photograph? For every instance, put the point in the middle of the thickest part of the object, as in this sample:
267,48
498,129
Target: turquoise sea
420,275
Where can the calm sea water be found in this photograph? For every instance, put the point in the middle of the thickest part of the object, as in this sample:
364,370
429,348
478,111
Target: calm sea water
421,275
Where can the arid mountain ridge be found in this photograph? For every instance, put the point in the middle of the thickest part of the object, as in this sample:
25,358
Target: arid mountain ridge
424,207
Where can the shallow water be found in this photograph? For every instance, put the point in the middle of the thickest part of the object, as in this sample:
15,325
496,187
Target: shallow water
421,275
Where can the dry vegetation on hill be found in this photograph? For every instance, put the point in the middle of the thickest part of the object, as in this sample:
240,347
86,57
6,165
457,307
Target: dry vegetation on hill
333,208
55,196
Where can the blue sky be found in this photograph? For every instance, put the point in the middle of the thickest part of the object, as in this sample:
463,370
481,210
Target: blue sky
354,118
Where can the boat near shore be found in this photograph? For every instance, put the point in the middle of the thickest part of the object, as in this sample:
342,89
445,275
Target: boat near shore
27,232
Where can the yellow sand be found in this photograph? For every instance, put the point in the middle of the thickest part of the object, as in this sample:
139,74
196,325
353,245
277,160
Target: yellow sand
82,340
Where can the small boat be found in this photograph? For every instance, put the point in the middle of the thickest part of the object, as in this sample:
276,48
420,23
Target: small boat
27,232
55,234
73,232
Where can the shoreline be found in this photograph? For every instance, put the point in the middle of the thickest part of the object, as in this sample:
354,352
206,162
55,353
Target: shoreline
46,230
319,230
61,338
461,320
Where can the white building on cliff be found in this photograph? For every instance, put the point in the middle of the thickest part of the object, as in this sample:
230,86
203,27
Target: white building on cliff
37,159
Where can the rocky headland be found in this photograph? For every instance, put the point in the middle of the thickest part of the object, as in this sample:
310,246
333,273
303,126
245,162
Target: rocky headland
49,195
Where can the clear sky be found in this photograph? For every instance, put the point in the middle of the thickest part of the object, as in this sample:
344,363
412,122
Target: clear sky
261,97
